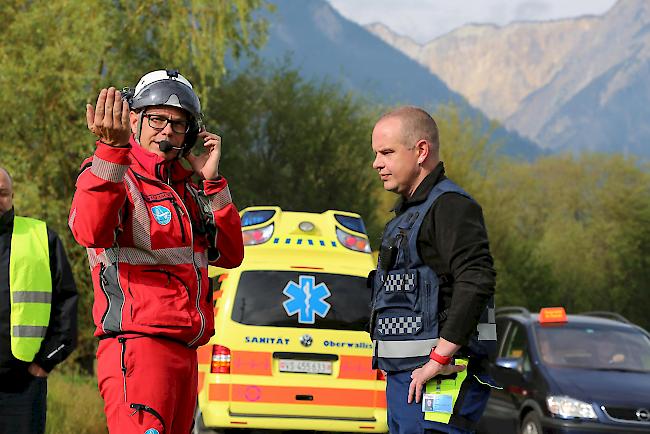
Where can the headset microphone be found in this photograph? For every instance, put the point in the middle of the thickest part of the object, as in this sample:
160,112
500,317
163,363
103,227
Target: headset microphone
166,146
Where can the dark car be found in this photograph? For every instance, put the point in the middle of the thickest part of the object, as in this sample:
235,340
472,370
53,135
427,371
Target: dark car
578,374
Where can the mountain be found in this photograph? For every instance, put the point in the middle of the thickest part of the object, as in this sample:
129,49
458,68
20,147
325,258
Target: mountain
495,68
324,44
574,84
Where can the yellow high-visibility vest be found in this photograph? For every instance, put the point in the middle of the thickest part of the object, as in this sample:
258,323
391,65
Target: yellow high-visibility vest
30,283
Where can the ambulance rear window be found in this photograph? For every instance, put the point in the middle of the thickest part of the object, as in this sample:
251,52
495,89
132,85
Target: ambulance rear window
302,299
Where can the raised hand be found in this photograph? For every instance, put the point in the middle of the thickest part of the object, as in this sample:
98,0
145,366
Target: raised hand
109,120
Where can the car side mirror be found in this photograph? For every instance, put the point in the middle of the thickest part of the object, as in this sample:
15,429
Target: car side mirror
514,363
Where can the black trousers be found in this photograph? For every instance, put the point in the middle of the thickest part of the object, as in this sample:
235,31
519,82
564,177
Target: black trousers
23,411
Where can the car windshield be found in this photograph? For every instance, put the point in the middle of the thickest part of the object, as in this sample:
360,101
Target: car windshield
302,299
591,347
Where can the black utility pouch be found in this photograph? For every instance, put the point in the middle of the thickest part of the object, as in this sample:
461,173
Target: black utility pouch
387,257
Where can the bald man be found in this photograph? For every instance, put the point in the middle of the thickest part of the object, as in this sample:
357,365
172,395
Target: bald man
38,314
432,310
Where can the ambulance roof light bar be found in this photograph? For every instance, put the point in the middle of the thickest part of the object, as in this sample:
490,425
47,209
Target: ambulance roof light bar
351,222
256,217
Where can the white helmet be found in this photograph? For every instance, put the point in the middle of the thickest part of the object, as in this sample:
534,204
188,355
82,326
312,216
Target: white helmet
167,88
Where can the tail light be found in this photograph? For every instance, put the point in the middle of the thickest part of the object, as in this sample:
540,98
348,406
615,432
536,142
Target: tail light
380,375
353,242
257,236
220,360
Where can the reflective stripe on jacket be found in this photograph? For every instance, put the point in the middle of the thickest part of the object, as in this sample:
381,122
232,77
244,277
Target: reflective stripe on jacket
30,284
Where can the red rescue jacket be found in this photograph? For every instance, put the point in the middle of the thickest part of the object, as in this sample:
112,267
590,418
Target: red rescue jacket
150,234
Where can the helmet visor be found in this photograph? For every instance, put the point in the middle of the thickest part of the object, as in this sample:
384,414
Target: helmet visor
168,93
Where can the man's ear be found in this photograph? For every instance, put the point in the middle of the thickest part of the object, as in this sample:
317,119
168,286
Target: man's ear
423,150
133,121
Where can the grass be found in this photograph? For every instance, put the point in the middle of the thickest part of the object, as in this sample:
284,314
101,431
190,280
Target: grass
74,405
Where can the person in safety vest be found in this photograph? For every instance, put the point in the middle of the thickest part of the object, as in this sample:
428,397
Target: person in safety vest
150,233
432,321
38,314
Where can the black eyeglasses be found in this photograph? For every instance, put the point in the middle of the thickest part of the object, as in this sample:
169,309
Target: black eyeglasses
159,122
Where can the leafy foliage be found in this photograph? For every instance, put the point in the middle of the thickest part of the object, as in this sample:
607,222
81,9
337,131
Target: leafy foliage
294,143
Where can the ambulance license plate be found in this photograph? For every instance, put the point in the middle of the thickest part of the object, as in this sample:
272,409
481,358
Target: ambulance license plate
306,366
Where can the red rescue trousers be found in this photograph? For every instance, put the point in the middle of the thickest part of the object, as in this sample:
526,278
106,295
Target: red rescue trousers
148,385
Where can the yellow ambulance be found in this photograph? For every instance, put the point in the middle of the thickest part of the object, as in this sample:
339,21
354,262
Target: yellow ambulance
291,351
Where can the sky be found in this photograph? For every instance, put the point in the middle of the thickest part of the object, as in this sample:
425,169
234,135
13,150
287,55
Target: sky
424,20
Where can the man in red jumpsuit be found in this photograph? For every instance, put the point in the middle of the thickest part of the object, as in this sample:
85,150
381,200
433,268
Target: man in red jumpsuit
150,233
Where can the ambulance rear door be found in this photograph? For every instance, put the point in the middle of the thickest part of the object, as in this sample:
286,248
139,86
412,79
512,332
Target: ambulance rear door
306,351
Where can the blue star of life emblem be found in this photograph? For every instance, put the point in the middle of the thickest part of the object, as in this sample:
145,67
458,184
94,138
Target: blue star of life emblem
306,299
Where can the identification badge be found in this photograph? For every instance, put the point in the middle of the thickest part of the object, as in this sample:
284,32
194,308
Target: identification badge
438,403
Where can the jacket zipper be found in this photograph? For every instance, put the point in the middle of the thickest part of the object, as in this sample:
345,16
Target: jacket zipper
102,285
198,277
179,213
426,307
169,275
122,342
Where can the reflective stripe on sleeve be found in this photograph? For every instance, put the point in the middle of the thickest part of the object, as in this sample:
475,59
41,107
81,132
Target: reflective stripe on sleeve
221,199
29,331
108,171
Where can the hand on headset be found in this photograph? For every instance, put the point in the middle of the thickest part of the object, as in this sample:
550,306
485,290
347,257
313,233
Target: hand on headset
206,165
109,120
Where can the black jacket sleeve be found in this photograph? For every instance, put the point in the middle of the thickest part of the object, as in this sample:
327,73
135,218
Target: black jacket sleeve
462,243
61,337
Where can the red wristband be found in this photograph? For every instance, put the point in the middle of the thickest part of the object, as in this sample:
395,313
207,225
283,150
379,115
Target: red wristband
443,360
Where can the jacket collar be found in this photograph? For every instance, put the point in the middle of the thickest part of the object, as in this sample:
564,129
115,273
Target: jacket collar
7,221
153,166
422,191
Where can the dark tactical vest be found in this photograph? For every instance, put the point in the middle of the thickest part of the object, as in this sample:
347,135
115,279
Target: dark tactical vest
405,314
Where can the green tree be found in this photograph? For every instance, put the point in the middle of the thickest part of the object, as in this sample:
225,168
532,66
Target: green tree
299,144
576,231
590,216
